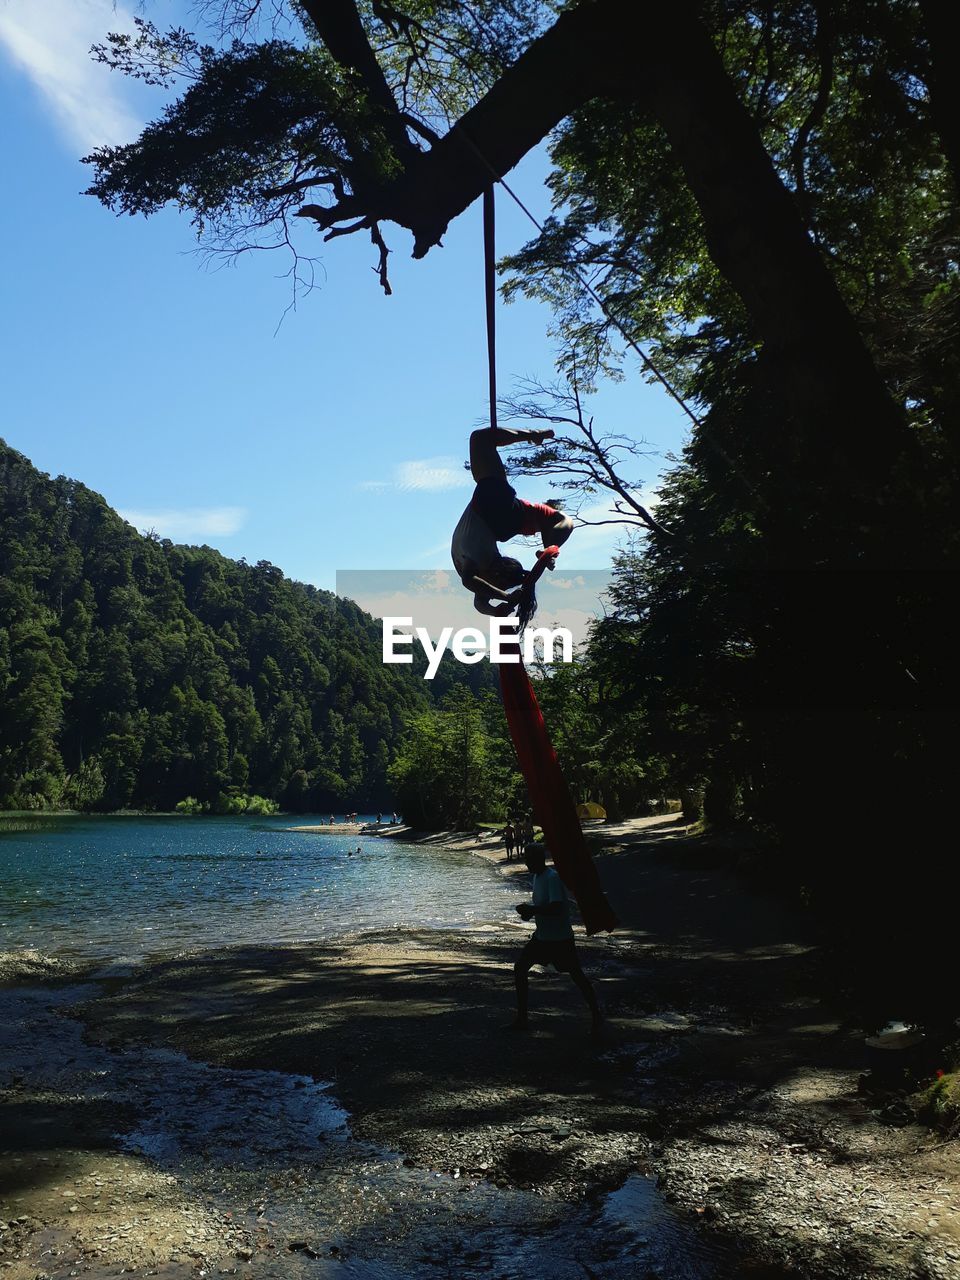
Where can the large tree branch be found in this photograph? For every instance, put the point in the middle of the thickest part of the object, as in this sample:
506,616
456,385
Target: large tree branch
339,27
558,72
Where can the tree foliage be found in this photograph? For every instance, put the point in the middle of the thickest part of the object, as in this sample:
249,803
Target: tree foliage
454,768
137,672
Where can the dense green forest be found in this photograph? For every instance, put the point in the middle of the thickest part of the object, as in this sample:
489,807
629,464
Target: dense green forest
134,672
456,764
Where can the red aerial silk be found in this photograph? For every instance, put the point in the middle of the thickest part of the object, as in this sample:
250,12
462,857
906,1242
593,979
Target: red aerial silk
552,803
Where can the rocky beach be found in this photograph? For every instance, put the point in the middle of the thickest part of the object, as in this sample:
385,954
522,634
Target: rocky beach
360,1107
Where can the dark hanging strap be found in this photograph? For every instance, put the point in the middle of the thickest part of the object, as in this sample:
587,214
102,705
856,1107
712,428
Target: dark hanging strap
490,293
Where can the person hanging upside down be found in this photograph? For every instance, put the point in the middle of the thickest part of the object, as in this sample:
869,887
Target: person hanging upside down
495,514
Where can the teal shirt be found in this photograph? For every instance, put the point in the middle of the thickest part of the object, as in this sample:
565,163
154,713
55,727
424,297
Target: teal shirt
548,887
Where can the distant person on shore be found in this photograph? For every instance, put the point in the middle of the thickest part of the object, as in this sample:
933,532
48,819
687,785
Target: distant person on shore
379,818
509,840
526,832
495,514
552,942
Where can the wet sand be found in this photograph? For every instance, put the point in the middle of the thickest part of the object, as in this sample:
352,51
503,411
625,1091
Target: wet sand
335,828
724,1072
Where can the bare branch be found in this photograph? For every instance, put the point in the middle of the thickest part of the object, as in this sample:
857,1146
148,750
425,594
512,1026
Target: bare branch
378,241
347,230
239,17
418,126
329,215
303,184
798,152
589,460
621,520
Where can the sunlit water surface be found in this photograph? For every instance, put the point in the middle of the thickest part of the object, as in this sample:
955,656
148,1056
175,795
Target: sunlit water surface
120,888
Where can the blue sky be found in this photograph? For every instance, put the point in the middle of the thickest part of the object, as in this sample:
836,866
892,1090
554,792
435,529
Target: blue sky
332,442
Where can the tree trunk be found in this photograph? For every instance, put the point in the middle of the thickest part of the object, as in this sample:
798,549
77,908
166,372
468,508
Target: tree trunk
758,241
691,802
720,799
942,28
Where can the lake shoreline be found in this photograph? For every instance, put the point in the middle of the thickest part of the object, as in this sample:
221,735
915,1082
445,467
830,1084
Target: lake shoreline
722,1057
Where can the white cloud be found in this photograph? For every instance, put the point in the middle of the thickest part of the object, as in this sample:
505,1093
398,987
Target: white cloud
435,474
189,522
437,582
425,475
50,42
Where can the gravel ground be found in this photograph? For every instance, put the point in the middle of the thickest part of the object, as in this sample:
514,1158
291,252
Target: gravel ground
725,1077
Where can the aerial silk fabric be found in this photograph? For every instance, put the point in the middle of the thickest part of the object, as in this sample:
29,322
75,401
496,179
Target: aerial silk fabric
552,803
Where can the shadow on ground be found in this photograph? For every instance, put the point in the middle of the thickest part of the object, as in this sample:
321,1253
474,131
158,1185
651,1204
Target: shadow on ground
720,1051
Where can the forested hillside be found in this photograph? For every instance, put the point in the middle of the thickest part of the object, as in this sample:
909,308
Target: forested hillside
135,672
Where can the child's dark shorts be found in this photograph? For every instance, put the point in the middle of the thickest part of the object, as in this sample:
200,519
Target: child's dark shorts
562,955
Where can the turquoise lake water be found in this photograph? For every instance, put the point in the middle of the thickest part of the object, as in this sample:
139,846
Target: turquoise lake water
121,889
